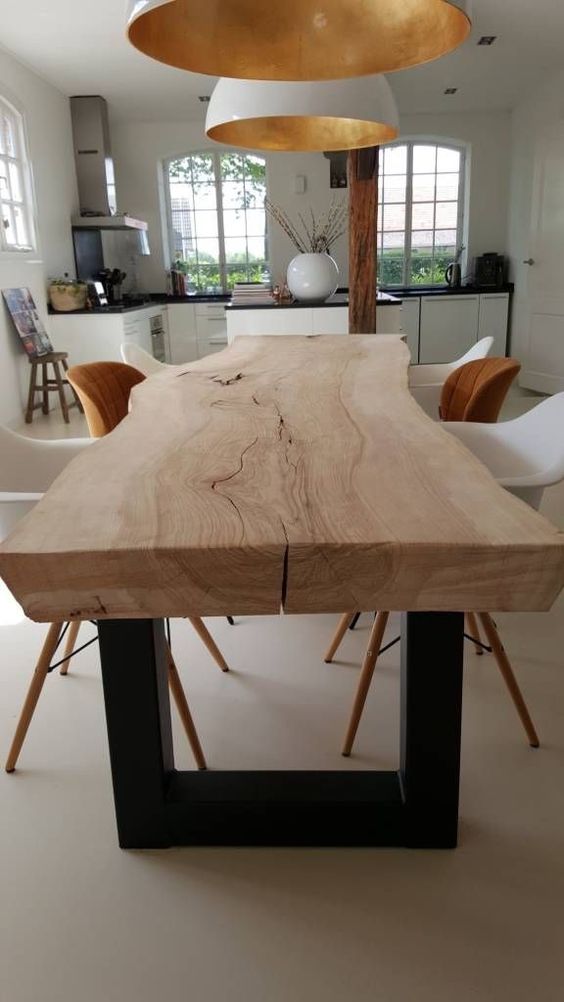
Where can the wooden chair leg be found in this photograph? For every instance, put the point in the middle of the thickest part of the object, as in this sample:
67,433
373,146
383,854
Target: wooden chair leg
368,666
70,645
31,394
181,702
342,628
61,389
33,694
206,637
45,388
71,387
474,631
509,678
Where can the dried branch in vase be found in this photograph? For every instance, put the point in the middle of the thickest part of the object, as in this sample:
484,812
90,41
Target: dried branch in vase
319,234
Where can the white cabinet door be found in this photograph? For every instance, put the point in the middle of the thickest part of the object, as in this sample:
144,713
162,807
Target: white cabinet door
182,333
388,318
448,328
94,337
409,323
271,320
330,320
494,308
211,328
137,330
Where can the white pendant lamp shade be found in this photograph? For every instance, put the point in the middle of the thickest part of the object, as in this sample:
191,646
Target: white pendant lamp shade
296,39
332,115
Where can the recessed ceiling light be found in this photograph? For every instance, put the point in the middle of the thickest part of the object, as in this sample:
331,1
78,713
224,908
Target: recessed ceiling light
451,90
203,98
487,39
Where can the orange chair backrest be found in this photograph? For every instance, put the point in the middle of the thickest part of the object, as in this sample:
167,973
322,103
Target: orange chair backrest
104,388
475,391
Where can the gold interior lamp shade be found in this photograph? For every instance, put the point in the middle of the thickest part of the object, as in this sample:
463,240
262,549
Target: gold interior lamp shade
324,115
296,39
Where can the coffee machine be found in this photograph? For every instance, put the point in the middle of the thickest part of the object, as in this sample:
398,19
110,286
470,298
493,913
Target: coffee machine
489,271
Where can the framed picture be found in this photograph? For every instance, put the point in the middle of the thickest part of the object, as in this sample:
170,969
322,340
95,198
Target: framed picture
27,322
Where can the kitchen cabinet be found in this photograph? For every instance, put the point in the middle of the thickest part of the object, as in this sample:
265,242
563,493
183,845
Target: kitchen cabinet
329,320
409,325
448,327
494,311
97,337
211,328
182,337
195,330
305,320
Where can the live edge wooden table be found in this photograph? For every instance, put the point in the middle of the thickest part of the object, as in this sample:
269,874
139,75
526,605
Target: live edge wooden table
294,475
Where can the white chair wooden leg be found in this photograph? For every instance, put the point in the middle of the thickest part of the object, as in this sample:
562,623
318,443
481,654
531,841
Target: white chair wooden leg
206,637
70,645
344,623
474,632
368,666
506,670
181,702
33,693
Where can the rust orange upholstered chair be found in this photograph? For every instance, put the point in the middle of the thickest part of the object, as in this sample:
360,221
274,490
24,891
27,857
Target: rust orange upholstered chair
104,389
476,391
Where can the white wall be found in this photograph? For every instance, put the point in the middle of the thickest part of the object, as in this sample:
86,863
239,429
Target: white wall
47,118
140,147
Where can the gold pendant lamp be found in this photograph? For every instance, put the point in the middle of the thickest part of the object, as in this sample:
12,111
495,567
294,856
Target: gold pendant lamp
296,39
308,116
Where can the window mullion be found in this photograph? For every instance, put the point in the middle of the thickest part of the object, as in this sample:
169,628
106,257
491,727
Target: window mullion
220,223
170,226
408,216
434,247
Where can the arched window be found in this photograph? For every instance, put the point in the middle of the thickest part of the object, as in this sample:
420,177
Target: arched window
16,204
217,219
420,212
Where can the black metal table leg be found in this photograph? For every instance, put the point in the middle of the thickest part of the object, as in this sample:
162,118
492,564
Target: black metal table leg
156,806
431,712
135,678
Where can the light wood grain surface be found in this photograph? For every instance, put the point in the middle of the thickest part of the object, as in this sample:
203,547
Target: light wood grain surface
294,473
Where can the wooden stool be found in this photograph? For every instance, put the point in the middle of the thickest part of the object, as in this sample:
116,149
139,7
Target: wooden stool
47,386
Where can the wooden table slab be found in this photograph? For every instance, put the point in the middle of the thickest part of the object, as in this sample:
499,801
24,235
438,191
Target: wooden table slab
291,473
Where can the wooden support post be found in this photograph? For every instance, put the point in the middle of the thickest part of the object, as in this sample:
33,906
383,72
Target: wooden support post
362,171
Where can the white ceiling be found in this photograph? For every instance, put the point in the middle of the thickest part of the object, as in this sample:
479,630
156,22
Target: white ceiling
80,46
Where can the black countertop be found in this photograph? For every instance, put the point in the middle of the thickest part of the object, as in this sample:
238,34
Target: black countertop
341,298
99,311
444,290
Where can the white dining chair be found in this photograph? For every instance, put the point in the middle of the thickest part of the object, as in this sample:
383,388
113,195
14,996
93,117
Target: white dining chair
133,354
426,381
28,467
525,455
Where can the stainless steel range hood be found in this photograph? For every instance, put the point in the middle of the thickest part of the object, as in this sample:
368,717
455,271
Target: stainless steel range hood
95,170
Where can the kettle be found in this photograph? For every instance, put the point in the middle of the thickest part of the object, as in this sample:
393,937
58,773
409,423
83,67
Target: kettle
453,275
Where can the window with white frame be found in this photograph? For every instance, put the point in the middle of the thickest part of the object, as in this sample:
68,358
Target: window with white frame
16,229
420,212
216,219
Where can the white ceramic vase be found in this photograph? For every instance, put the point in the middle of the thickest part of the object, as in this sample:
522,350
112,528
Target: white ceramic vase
312,277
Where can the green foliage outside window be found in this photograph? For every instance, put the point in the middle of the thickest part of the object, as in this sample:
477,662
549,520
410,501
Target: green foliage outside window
244,177
203,274
425,269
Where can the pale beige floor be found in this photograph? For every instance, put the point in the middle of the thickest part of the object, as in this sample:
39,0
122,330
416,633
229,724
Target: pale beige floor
82,921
